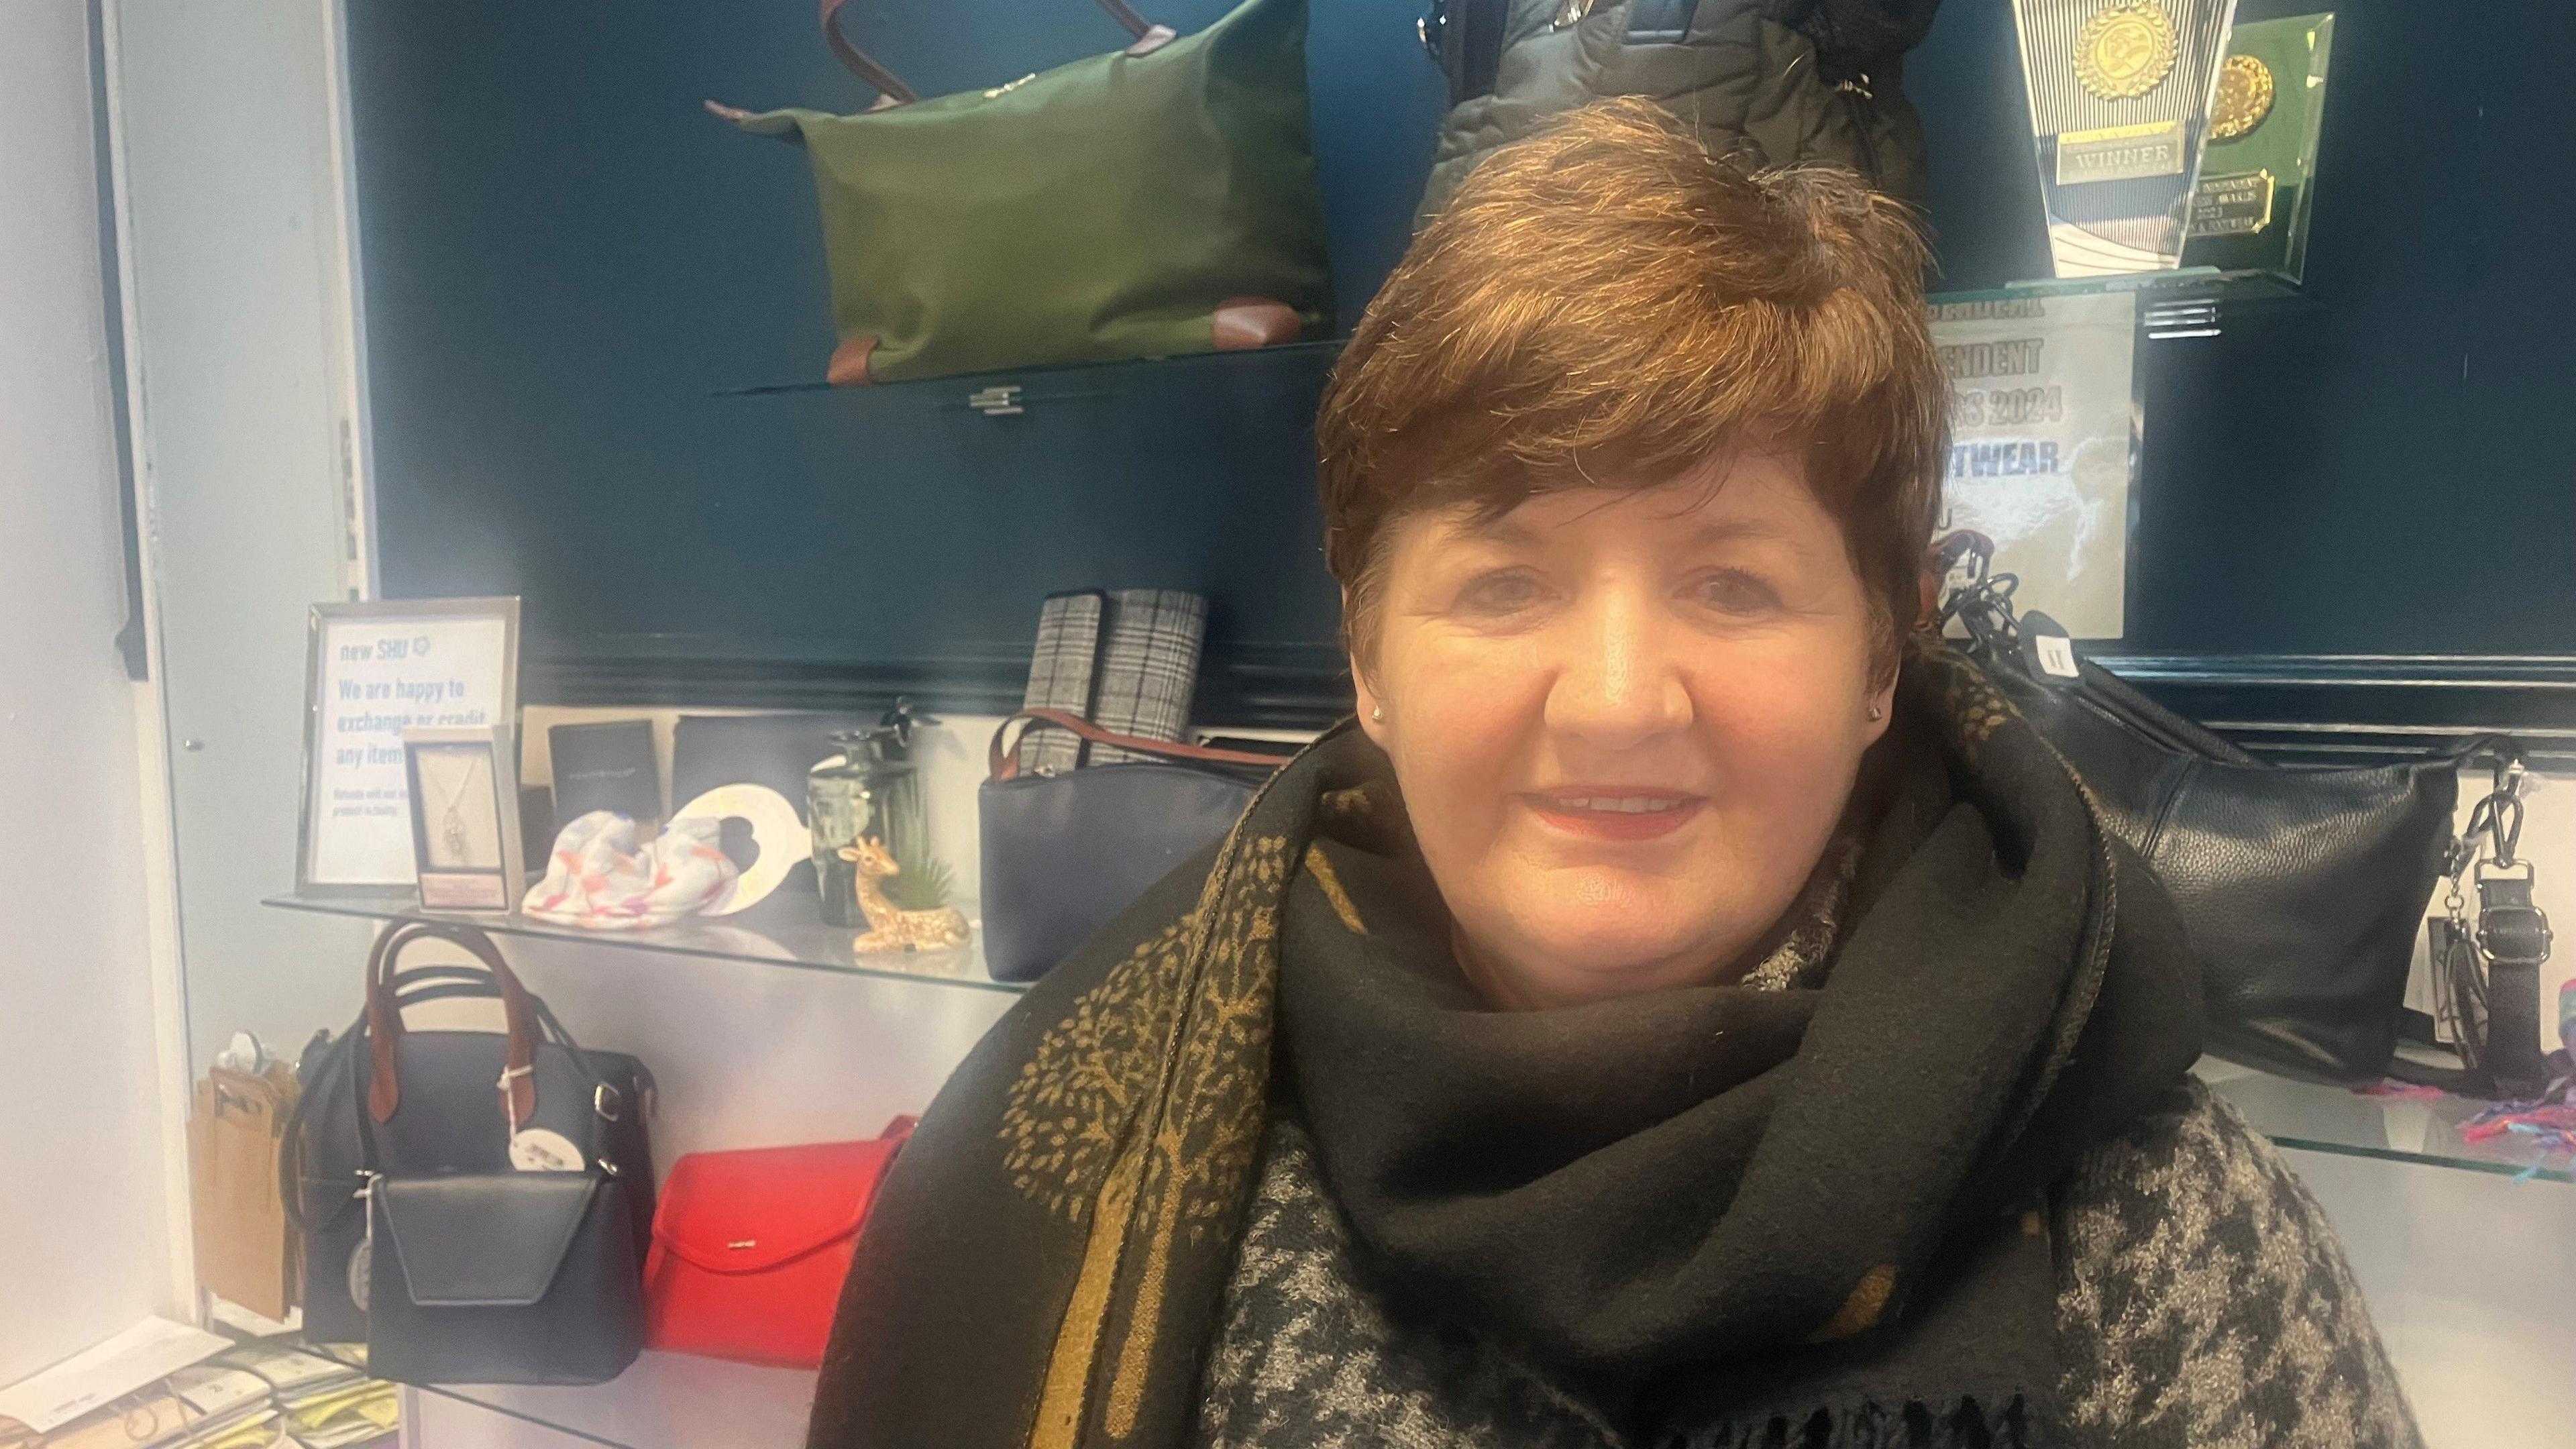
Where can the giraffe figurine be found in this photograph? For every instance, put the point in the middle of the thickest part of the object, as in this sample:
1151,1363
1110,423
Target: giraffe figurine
890,929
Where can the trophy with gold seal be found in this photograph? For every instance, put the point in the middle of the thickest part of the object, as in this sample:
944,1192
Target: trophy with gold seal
2119,99
2258,169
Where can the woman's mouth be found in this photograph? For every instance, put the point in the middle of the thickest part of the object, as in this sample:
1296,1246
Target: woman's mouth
1607,813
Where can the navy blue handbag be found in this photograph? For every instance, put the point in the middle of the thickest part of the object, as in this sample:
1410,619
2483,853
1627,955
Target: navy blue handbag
385,1105
1065,851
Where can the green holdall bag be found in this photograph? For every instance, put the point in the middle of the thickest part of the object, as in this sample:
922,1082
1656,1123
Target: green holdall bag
1153,201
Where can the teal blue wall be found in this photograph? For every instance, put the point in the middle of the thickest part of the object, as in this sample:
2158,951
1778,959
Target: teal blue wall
567,267
2389,472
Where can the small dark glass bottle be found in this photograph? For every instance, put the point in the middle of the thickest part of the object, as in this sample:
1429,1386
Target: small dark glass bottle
870,788
839,809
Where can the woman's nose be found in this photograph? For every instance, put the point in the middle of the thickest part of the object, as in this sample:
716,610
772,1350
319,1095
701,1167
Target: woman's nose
1617,684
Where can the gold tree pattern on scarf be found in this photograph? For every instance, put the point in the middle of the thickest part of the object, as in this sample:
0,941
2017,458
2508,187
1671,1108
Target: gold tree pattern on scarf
1173,1044
1090,1073
1201,1151
1204,1144
1969,702
1976,709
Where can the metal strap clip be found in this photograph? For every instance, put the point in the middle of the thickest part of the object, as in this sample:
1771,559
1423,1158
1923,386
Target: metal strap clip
998,401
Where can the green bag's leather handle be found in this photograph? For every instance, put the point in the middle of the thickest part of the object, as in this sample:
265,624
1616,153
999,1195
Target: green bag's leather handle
889,86
893,92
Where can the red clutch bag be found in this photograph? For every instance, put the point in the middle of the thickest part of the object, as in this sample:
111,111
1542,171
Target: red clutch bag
750,1247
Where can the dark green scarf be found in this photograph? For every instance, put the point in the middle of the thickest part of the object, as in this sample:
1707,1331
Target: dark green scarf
1772,1211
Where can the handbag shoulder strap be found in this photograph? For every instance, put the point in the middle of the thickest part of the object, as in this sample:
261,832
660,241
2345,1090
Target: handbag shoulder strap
291,1148
888,86
1465,39
1985,608
1148,38
1002,762
2487,975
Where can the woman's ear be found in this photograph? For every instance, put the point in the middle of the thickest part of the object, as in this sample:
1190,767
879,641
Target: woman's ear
1878,711
1372,709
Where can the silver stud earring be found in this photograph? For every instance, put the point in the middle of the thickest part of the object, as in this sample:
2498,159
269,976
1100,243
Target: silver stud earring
1377,714
1877,713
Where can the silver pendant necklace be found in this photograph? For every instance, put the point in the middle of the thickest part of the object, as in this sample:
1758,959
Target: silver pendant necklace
451,829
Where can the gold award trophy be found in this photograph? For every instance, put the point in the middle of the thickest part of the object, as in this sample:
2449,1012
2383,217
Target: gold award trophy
2119,99
2258,170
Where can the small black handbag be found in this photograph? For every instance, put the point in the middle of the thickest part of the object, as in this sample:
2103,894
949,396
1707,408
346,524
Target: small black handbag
2486,977
2300,889
386,1108
504,1278
1066,851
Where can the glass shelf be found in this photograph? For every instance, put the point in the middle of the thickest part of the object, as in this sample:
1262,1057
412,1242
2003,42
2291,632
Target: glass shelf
2299,1115
662,1401
966,385
2160,293
673,1401
762,936
2186,302
2410,1129
2182,284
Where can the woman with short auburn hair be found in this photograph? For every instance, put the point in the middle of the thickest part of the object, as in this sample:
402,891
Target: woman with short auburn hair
1686,1007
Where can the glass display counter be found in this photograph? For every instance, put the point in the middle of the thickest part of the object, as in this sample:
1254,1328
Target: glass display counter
805,943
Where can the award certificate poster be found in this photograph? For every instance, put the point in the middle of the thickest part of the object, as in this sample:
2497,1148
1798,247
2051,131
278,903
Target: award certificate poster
378,671
2043,428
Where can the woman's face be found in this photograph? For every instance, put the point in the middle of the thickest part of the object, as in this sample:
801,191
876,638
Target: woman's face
1625,721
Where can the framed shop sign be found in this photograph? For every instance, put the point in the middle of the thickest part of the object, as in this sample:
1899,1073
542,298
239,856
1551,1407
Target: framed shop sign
373,671
2044,425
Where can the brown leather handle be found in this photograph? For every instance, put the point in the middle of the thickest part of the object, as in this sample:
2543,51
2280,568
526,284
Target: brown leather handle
860,63
1125,14
1002,762
518,1084
1148,38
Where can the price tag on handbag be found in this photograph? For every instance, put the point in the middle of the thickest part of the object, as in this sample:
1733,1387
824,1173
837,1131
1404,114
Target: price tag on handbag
535,1149
2047,653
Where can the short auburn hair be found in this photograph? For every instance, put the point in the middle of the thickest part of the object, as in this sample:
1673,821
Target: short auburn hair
1609,300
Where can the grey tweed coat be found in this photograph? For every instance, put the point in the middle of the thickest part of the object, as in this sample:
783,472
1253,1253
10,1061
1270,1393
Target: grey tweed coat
2202,1303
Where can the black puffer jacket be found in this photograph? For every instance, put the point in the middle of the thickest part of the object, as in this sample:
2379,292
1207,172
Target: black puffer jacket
1776,80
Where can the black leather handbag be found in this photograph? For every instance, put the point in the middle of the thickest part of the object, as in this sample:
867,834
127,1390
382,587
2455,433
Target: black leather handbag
2300,889
1066,851
384,1106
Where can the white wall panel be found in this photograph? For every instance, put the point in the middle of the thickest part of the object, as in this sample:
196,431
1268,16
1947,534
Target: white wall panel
85,1246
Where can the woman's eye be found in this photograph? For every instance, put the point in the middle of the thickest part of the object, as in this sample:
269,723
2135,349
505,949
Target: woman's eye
1505,591
1733,591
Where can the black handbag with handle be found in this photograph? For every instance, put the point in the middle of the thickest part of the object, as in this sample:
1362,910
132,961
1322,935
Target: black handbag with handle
2300,889
2486,976
504,1278
387,1107
1065,851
